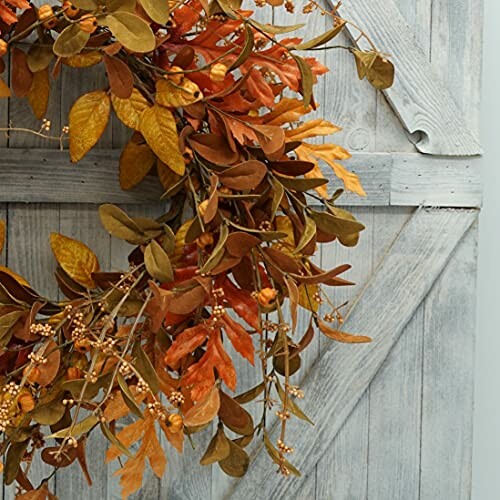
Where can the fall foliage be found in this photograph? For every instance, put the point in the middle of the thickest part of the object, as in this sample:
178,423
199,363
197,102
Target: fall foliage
217,107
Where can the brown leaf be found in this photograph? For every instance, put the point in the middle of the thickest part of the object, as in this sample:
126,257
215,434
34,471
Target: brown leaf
218,448
158,263
88,119
234,416
236,463
77,260
239,243
21,77
136,160
2,235
120,76
214,148
188,301
49,370
245,176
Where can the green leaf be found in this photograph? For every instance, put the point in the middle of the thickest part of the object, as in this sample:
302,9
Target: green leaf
275,456
217,252
131,31
333,224
114,440
145,368
308,234
157,262
71,41
275,30
128,397
157,10
49,414
120,225
78,429
251,394
218,448
13,459
321,39
306,79
247,49
291,405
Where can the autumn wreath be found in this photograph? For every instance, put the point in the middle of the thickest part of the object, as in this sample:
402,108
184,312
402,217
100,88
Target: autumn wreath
217,103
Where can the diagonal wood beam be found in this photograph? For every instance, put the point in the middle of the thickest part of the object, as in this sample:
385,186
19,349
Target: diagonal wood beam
343,372
419,97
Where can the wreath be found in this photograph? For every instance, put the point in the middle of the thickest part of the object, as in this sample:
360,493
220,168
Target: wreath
217,103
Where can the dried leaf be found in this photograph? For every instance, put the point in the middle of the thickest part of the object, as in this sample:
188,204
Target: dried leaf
21,77
2,235
131,31
120,225
83,60
158,263
4,90
136,161
218,448
39,93
77,260
204,411
177,95
129,110
157,10
234,416
78,429
157,125
71,41
88,119
145,368
120,77
236,463
50,369
245,176
341,336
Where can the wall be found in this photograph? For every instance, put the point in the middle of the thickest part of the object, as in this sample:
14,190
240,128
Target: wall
486,474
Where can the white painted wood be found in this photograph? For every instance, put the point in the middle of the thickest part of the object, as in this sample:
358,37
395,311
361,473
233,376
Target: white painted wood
448,367
419,97
342,375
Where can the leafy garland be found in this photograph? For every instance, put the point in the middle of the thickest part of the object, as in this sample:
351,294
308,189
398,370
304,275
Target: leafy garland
208,92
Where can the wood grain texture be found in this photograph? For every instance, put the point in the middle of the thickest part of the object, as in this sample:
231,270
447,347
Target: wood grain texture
448,378
339,379
419,97
388,179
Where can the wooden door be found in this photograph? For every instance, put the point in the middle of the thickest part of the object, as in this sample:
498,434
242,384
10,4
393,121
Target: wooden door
393,419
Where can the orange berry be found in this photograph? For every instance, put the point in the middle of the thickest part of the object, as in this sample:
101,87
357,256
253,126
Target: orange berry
218,72
46,15
26,402
266,296
3,48
70,10
32,374
175,422
73,373
88,24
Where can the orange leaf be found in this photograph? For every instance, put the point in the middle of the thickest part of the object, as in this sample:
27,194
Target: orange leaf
204,411
186,343
239,337
136,161
341,336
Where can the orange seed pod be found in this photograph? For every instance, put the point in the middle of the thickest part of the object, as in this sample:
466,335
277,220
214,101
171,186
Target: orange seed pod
26,402
46,15
3,48
82,345
205,240
218,72
266,296
88,24
175,422
70,10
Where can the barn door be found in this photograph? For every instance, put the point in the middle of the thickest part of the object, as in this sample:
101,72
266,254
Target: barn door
393,418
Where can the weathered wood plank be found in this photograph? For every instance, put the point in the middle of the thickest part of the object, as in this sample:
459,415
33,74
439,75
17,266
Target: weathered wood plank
448,381
422,101
444,182
388,178
342,375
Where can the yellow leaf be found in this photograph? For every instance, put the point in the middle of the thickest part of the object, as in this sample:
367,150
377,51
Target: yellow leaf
4,90
39,93
83,60
306,297
129,110
88,119
136,161
286,110
158,127
312,128
329,153
175,96
14,275
76,259
2,235
284,225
